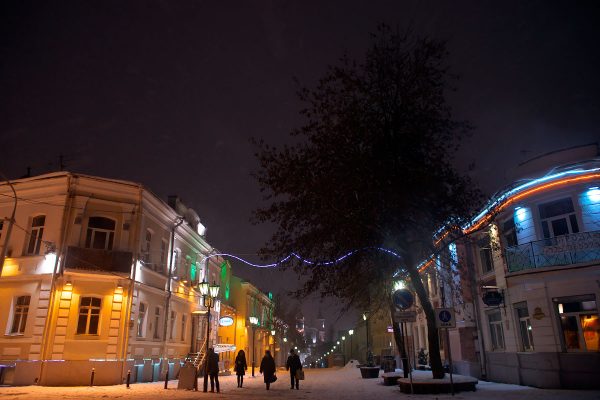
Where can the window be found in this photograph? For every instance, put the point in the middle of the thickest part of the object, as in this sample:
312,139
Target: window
141,319
156,323
163,254
579,322
558,218
183,322
147,244
496,331
100,233
525,331
175,262
35,235
21,309
89,316
172,324
509,233
485,256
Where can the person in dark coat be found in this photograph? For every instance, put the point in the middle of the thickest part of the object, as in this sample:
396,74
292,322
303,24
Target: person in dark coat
213,369
293,364
240,367
267,368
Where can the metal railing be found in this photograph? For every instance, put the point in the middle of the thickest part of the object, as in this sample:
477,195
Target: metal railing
569,249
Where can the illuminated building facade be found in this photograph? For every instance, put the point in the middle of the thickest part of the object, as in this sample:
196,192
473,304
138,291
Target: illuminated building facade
525,282
100,274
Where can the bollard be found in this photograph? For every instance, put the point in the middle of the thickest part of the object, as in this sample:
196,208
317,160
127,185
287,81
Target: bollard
167,378
92,377
128,377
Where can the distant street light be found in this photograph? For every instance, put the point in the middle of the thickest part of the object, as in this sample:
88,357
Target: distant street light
253,322
351,332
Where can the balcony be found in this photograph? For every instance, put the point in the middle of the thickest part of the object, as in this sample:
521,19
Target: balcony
570,249
80,258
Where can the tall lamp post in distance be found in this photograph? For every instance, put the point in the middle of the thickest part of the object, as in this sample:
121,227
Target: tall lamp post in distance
253,322
369,354
273,332
351,332
344,348
209,294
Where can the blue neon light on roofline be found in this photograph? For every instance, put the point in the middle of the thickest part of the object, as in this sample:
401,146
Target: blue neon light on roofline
524,186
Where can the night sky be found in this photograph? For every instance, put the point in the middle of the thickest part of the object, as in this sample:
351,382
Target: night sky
168,93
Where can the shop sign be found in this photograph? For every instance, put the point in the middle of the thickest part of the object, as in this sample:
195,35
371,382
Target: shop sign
493,298
225,321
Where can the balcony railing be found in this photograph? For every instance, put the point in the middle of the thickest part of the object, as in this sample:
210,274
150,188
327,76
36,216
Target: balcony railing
560,250
98,260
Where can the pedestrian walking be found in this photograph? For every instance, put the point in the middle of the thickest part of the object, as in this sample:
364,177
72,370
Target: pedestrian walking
293,365
267,368
240,367
213,369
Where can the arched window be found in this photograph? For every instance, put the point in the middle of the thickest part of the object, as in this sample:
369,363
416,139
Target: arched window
35,236
100,233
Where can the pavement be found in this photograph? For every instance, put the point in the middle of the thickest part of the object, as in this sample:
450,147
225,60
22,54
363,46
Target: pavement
327,383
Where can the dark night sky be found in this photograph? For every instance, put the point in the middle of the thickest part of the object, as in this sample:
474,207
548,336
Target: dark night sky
168,93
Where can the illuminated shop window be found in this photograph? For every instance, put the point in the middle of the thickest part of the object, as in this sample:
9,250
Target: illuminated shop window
525,330
579,322
100,233
89,316
35,235
20,311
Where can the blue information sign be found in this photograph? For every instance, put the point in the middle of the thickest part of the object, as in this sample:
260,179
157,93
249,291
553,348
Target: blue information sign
403,299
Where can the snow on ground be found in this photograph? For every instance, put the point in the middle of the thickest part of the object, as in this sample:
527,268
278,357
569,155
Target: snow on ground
329,384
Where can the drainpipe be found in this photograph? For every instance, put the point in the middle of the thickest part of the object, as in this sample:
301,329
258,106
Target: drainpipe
65,229
482,356
168,289
11,222
132,276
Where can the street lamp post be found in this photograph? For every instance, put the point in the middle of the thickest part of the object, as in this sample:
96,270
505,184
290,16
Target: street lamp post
369,354
351,332
344,348
273,332
253,322
209,294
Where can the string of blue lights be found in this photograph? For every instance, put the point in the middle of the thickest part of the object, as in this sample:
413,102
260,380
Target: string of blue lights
302,259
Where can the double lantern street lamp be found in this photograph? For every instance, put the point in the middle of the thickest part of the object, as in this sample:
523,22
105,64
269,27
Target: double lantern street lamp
253,322
209,294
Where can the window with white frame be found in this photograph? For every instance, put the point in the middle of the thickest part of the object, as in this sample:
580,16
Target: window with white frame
509,232
163,255
141,320
525,330
100,233
89,316
156,323
183,323
496,330
579,322
172,325
35,235
20,311
558,218
486,255
147,245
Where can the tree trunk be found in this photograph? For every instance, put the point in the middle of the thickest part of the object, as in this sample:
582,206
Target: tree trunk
435,360
399,339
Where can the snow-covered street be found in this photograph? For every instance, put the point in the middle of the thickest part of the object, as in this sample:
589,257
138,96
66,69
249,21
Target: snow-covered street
333,383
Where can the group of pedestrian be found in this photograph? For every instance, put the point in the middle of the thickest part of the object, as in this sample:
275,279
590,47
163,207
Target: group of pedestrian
267,368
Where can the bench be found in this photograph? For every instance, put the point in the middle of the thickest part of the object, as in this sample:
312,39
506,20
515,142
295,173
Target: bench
391,378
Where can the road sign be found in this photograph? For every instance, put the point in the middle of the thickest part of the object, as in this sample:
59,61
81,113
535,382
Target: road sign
405,316
403,299
444,318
